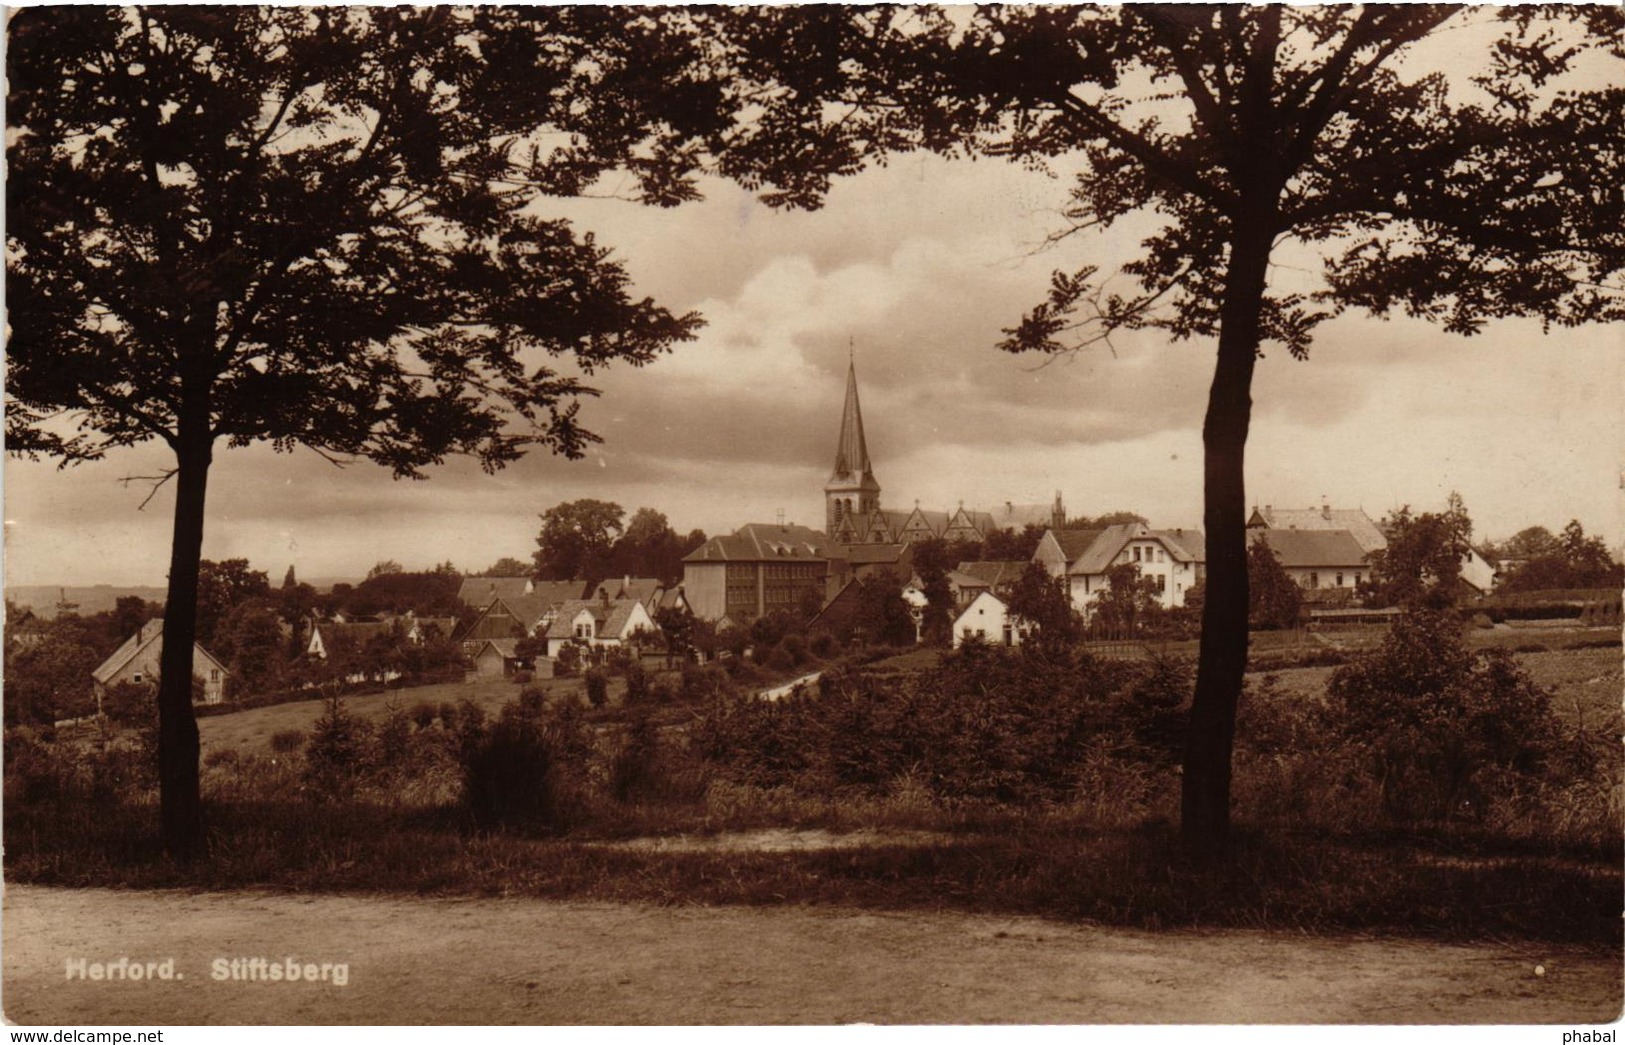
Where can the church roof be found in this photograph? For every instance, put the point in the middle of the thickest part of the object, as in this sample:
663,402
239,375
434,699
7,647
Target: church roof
851,450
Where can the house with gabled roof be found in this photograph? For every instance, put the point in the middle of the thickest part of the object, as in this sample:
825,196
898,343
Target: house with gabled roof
1316,559
1175,560
479,592
987,618
1367,534
996,576
137,661
597,623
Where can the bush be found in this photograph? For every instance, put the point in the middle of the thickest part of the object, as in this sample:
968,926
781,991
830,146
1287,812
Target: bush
824,645
509,774
422,714
597,687
533,698
568,662
522,678
637,683
338,753
1442,731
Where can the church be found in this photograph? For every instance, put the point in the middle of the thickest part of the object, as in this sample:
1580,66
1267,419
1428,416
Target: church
852,511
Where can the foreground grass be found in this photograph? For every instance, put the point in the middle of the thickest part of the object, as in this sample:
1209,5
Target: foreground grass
1456,887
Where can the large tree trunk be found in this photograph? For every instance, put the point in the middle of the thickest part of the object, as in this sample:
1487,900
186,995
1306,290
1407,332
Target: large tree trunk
1205,789
181,803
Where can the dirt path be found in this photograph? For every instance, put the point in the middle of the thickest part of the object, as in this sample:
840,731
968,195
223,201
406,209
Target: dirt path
531,961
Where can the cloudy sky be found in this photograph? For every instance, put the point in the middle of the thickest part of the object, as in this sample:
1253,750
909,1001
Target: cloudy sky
918,266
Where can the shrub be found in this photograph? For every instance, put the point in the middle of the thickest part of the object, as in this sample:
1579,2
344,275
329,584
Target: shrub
597,687
1442,731
287,741
338,753
521,678
568,662
824,645
509,774
422,714
533,698
637,683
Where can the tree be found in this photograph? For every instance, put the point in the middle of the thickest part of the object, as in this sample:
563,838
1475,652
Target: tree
1274,600
506,567
221,587
1241,135
308,227
1128,599
1422,560
932,562
384,568
576,540
289,581
1011,546
1040,602
251,644
1572,560
882,616
650,548
1100,522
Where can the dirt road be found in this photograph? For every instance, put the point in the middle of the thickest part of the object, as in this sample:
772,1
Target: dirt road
531,961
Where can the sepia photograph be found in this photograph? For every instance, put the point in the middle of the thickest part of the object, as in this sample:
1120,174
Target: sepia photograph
900,515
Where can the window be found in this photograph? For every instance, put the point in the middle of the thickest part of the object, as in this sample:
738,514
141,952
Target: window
136,677
1339,580
214,674
1314,580
584,630
1356,578
1162,582
1136,553
1162,556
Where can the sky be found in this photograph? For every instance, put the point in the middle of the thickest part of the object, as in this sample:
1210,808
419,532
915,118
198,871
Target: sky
913,269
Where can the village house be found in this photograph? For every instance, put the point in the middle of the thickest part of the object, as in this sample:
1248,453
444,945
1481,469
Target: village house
1316,559
597,623
136,662
987,618
479,592
1174,560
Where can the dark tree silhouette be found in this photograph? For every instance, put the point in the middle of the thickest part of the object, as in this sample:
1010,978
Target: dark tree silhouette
309,227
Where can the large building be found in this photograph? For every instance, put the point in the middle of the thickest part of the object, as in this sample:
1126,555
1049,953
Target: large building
759,568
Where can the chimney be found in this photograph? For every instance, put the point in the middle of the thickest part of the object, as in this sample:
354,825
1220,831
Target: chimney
1325,509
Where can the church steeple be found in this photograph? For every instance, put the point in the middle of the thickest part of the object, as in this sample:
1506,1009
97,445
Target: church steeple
852,493
851,451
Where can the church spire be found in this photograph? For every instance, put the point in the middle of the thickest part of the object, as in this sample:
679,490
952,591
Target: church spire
851,451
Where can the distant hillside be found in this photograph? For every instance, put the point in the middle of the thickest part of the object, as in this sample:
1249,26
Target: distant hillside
43,599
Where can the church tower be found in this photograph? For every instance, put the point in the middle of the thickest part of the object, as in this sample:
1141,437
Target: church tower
852,490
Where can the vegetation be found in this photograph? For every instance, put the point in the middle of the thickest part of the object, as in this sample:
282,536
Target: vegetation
1569,561
418,307
588,540
1421,564
1274,600
1240,136
1421,788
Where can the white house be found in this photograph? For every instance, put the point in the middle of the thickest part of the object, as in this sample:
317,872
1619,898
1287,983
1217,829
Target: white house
988,618
597,623
1174,560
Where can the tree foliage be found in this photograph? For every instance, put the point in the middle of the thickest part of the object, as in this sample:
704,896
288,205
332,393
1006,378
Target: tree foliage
1573,560
1274,600
1421,563
1043,609
1241,135
576,540
313,227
